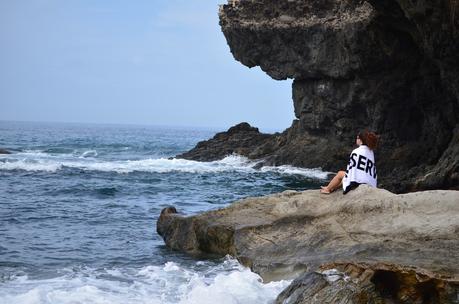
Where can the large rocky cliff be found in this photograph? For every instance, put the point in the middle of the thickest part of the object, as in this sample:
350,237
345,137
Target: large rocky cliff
391,66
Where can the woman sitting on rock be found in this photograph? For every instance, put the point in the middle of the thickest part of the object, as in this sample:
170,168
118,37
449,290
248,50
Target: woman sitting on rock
361,168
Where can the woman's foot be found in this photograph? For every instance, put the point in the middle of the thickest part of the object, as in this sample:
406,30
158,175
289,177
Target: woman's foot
325,190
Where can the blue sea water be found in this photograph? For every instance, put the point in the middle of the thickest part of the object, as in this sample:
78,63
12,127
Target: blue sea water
78,210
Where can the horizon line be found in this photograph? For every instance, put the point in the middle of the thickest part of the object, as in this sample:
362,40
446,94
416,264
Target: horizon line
209,128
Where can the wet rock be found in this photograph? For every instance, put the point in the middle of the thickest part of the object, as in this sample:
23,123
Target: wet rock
4,151
241,139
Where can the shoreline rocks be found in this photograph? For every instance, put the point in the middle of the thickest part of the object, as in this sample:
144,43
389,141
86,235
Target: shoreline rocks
240,139
390,66
4,151
284,235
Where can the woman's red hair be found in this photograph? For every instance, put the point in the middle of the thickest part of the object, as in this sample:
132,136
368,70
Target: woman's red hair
369,139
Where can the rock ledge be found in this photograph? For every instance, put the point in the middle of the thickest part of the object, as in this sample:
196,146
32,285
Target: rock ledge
284,235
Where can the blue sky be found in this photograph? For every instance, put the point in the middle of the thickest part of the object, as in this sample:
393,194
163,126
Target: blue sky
139,62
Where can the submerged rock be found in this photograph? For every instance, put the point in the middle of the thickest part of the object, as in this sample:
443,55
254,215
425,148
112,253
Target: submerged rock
4,151
283,235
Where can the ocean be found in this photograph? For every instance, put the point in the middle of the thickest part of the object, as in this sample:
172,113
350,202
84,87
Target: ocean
78,211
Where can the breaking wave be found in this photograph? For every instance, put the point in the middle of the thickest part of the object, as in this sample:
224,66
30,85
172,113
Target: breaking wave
228,282
90,153
39,161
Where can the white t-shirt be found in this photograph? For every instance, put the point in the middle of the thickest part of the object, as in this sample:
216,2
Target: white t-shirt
361,168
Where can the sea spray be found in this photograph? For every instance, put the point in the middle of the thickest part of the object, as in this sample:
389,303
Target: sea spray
198,283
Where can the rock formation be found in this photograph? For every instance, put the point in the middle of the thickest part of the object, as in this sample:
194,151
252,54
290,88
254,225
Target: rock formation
388,65
391,246
240,139
4,151
368,284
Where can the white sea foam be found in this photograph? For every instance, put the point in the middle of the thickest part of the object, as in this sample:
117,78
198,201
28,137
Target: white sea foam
30,165
39,161
89,153
228,282
235,287
314,173
30,153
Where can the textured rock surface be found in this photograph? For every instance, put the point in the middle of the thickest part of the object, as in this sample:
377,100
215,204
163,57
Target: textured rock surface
314,287
240,139
365,284
389,248
285,234
388,65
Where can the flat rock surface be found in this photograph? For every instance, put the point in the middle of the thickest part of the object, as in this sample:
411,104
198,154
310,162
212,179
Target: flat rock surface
282,235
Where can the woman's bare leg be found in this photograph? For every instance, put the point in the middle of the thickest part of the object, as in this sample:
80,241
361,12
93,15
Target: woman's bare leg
334,183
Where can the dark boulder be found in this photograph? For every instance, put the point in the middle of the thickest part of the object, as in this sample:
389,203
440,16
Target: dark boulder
241,139
4,151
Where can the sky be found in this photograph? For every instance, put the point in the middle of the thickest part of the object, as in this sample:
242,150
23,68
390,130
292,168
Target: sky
154,62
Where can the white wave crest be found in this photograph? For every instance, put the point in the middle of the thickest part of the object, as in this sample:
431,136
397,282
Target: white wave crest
228,283
231,163
27,165
161,165
164,165
31,153
232,288
89,153
289,170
